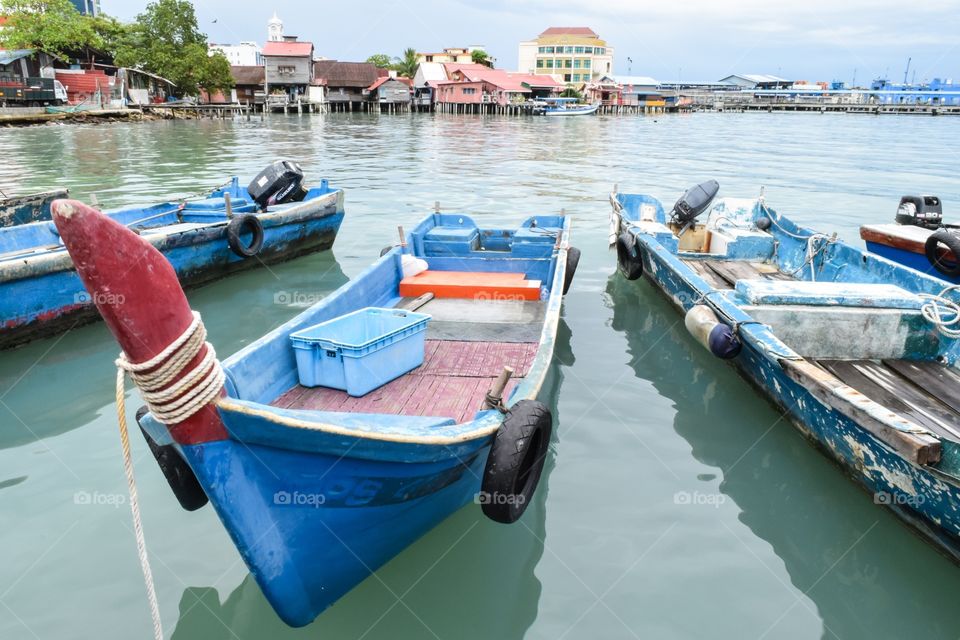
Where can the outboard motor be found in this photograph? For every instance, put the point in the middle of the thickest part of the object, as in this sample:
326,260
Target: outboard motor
920,211
281,181
692,203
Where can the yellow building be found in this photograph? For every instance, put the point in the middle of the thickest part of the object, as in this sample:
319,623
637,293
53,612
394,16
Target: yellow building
571,54
452,55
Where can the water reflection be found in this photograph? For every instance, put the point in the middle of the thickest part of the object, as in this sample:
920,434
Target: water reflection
468,578
789,494
64,382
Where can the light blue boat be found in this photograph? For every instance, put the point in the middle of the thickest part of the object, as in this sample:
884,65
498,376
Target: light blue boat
567,107
31,207
40,293
857,350
319,480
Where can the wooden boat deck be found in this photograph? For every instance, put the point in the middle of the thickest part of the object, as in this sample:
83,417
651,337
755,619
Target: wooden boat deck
926,393
452,382
468,344
723,274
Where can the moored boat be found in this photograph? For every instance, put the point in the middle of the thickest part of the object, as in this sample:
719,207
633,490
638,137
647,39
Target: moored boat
858,351
567,107
31,207
317,480
231,229
918,238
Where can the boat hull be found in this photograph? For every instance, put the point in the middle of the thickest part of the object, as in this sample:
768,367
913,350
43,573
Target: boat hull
43,298
586,111
903,245
926,499
30,208
312,526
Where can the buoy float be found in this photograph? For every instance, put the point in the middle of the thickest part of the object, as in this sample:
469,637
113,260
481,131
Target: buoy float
720,339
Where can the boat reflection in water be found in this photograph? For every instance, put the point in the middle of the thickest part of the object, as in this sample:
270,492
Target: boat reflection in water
888,583
468,576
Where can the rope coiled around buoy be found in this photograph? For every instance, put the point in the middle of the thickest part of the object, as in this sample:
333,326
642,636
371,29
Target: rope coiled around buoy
169,405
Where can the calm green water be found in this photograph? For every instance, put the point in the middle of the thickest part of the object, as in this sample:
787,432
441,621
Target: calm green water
676,503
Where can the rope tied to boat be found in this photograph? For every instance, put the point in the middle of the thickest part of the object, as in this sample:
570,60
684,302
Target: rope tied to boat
169,405
942,312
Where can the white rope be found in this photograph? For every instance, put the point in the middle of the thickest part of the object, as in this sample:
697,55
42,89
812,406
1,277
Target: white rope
169,405
942,312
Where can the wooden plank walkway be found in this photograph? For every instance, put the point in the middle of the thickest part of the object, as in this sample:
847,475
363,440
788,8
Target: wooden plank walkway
452,382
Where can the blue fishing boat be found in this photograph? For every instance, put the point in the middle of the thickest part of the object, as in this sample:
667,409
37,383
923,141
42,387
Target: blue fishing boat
567,107
333,442
32,207
918,238
858,351
276,218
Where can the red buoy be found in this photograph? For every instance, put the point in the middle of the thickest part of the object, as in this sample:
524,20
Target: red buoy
139,296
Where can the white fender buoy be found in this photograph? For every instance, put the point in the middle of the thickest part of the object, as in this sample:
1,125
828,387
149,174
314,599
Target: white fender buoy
706,328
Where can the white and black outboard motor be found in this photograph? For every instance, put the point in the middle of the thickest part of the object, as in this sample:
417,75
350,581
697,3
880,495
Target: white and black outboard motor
281,181
920,211
692,203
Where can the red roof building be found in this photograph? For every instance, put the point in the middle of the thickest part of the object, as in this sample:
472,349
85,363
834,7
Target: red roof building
569,31
288,49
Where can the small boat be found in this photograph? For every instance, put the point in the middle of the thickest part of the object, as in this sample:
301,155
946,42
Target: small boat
32,207
231,229
323,446
861,353
918,239
567,107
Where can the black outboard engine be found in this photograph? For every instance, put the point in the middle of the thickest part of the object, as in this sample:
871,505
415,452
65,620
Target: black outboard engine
920,211
692,203
280,182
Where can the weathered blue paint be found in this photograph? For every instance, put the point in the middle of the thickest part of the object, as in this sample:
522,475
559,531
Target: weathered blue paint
317,500
926,495
28,208
40,293
843,294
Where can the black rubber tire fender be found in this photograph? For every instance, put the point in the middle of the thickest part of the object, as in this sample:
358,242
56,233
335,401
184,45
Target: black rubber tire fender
515,462
932,250
236,227
573,259
175,469
629,258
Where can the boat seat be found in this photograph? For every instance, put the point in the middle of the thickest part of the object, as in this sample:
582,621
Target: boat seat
832,294
214,204
471,285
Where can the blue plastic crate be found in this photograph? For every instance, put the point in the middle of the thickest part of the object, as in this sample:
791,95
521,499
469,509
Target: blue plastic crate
360,351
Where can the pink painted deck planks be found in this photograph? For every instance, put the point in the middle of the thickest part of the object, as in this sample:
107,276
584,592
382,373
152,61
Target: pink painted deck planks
453,380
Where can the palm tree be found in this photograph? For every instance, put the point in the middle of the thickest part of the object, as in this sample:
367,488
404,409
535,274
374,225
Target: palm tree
407,65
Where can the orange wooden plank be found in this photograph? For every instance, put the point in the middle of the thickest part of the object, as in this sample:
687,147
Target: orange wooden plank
471,285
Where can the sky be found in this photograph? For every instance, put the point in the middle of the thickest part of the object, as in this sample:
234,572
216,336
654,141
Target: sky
691,40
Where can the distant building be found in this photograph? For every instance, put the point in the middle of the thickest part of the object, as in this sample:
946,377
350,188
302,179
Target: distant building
571,54
288,68
386,90
346,83
453,55
478,84
248,83
756,81
87,7
245,54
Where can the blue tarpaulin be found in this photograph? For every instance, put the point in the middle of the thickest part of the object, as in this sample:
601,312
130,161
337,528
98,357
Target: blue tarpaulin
12,55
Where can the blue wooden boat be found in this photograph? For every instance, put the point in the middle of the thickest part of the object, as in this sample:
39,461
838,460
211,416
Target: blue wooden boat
567,107
918,238
858,351
317,487
204,239
32,207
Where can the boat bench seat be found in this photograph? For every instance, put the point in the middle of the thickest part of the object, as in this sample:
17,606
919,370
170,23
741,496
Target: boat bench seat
471,285
829,294
214,204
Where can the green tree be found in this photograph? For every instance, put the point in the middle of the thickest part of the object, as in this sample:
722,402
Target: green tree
165,40
480,56
52,26
380,60
570,92
407,64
